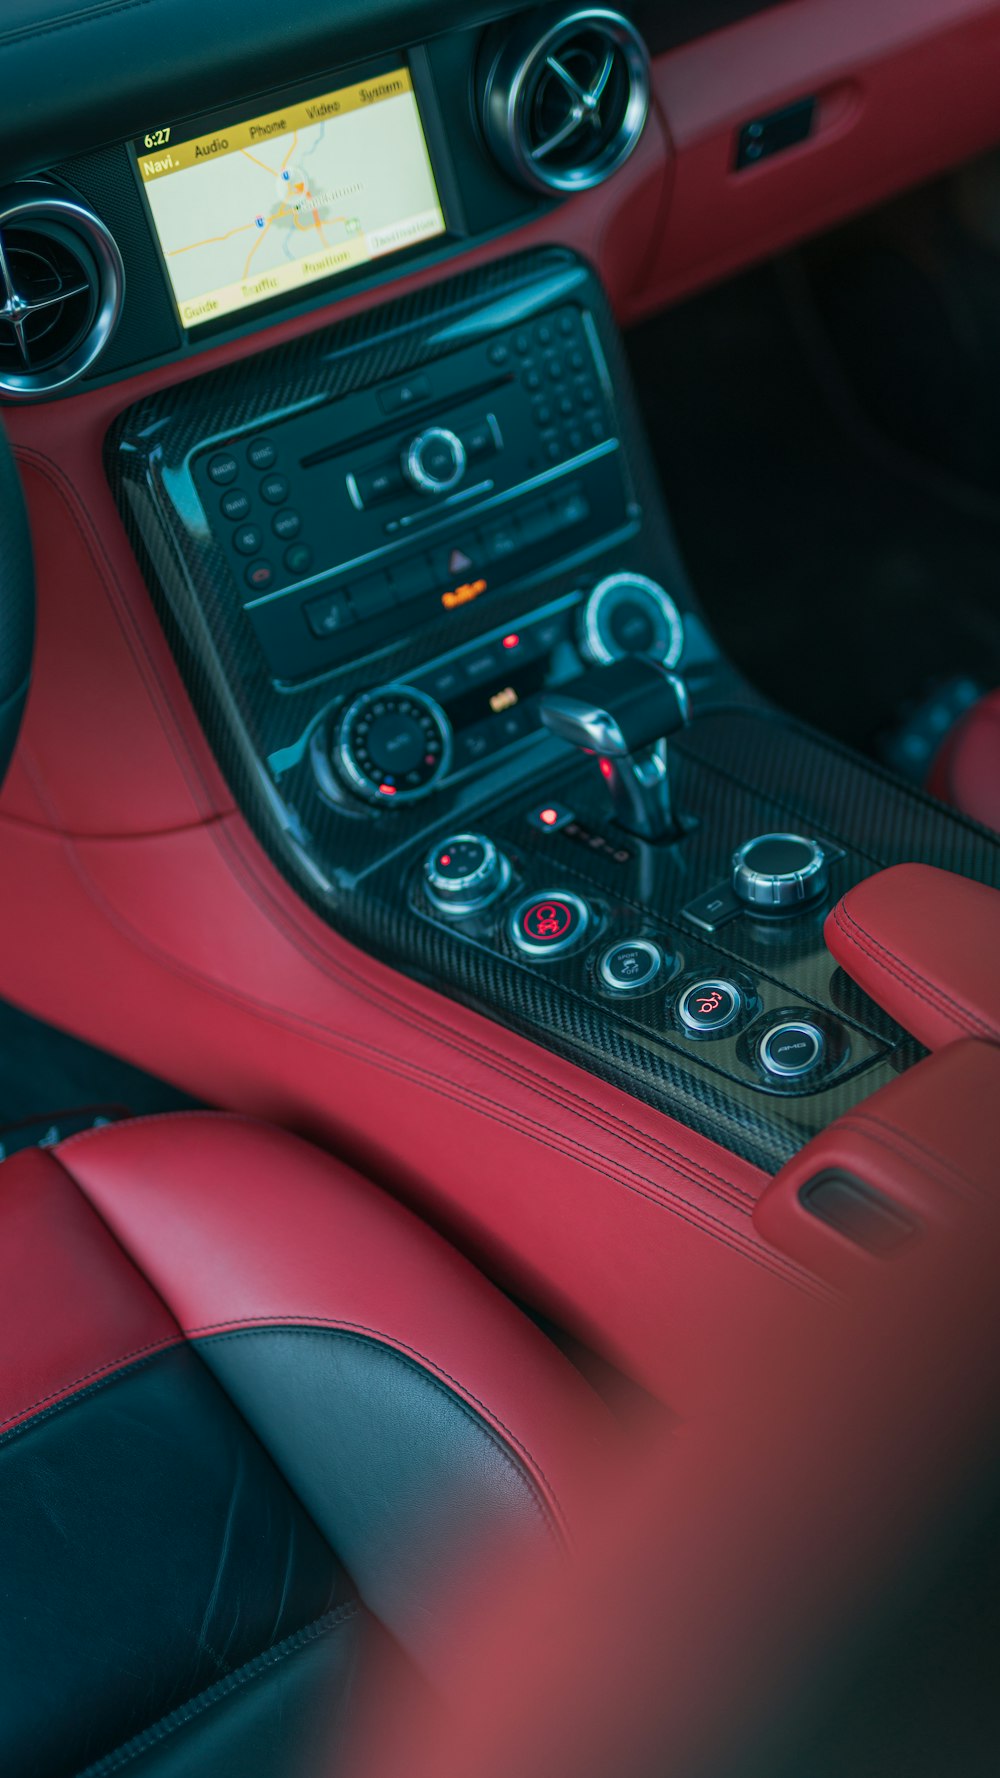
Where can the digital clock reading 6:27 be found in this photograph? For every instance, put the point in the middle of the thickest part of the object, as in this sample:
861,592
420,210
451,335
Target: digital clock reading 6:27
157,138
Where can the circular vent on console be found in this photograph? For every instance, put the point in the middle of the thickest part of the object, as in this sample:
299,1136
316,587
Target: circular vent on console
61,287
564,103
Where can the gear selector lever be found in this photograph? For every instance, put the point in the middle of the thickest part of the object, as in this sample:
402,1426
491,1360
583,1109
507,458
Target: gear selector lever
625,713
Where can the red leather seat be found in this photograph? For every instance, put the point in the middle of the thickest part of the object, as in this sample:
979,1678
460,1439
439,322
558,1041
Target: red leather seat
966,772
257,1424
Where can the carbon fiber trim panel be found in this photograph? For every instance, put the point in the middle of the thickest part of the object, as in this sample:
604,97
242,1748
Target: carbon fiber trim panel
741,769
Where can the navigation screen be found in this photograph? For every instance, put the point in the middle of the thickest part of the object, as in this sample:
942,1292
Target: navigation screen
261,208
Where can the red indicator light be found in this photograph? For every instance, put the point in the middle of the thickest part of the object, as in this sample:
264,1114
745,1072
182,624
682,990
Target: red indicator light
445,858
387,790
547,921
606,768
512,641
548,816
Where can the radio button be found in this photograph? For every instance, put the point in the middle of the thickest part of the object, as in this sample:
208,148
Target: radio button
372,596
259,576
481,440
286,525
262,454
274,489
235,505
298,558
247,540
383,483
223,468
329,615
411,580
399,396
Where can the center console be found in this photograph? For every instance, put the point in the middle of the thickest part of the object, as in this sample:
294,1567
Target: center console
407,565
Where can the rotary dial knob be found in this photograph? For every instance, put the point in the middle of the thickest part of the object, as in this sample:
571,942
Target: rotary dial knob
630,614
464,873
778,872
393,744
435,462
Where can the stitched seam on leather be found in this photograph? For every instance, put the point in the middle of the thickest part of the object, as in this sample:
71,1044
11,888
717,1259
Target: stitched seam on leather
340,1040
933,1165
962,1017
94,15
293,931
653,1148
205,803
86,1388
552,1514
658,1196
223,1688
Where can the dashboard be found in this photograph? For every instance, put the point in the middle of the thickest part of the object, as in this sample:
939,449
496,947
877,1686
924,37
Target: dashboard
342,347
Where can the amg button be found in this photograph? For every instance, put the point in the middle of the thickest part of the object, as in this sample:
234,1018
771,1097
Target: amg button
791,1050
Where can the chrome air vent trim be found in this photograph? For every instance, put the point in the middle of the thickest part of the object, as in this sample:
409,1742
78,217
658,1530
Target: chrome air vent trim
565,102
62,284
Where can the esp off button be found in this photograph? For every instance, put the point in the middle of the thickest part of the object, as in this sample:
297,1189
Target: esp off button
550,924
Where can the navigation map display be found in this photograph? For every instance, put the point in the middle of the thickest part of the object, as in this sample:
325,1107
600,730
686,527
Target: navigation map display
258,209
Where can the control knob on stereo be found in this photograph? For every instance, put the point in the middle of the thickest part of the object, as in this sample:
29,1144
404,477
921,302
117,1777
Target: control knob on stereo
464,873
779,872
435,462
393,744
630,614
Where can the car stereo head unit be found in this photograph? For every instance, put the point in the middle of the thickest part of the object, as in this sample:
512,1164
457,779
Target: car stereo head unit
264,207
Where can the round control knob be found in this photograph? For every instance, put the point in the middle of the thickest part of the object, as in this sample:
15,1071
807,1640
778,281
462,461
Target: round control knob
629,614
393,744
435,462
779,872
465,873
792,1049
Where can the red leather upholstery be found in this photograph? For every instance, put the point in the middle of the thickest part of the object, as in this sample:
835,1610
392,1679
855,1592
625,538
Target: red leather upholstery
966,772
925,944
206,1224
927,1143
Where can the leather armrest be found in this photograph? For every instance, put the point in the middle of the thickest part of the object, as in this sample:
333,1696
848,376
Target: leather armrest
926,1146
925,944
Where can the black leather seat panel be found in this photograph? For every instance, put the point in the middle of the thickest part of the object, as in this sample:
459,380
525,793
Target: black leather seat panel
149,1548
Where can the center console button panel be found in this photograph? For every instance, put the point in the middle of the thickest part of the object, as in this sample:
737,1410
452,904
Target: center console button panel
380,704
502,457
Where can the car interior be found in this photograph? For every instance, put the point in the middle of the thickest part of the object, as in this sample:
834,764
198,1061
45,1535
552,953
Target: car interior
500,876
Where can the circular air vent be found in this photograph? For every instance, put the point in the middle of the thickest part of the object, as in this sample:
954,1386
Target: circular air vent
565,102
61,288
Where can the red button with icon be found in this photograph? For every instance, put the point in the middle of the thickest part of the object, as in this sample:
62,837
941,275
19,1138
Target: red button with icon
710,1006
547,925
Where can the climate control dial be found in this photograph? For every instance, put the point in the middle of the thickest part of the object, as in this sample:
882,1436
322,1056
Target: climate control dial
435,462
464,873
630,614
393,744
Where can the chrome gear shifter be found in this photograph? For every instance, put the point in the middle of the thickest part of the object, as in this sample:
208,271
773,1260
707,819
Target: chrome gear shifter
625,713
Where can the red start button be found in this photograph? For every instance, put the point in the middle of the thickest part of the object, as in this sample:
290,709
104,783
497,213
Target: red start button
544,925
